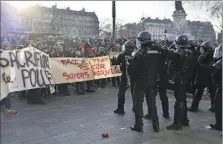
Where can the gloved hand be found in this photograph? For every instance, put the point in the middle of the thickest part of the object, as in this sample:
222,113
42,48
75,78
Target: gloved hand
156,46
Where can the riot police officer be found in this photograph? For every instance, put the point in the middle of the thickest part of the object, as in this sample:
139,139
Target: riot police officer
216,69
162,87
127,50
184,60
144,66
204,78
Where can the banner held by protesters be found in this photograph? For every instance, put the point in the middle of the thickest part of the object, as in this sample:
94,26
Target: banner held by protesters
24,69
69,70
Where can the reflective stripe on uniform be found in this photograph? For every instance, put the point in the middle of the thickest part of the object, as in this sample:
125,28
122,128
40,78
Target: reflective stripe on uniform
153,51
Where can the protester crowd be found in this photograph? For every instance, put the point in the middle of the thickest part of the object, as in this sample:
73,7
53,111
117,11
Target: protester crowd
61,46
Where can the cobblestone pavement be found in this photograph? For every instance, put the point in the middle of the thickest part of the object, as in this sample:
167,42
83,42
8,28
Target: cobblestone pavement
82,119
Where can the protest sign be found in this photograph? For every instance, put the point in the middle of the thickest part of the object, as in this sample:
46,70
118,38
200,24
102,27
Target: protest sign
69,70
24,69
29,68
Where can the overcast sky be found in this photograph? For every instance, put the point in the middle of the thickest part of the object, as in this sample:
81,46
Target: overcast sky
126,11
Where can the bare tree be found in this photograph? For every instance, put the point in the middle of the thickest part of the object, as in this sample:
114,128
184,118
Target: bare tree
106,26
213,8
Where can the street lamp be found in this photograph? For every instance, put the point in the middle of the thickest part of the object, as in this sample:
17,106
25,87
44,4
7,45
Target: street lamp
113,22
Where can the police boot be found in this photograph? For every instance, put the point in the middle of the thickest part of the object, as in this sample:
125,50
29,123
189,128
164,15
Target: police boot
137,129
138,124
216,127
165,107
120,109
212,109
147,116
194,107
175,125
156,126
185,120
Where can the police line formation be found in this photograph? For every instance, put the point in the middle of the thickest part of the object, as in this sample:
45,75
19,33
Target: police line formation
145,72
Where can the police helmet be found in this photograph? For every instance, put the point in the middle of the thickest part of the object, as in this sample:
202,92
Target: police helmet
144,37
218,52
206,46
181,41
128,47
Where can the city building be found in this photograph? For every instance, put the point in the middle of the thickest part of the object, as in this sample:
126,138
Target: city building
129,30
64,21
156,27
165,28
202,30
219,37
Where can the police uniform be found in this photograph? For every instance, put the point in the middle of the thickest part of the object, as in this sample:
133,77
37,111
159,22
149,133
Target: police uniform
184,64
144,74
162,87
203,77
128,48
217,73
216,69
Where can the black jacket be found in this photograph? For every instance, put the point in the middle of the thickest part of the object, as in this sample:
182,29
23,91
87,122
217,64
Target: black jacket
203,72
121,61
144,66
217,72
184,62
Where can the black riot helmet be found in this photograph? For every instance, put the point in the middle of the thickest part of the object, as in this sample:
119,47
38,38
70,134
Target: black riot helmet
207,46
181,41
144,38
128,47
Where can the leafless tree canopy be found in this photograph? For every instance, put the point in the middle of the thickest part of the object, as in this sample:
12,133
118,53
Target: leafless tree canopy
214,8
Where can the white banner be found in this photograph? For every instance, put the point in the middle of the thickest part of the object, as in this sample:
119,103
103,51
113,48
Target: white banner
24,69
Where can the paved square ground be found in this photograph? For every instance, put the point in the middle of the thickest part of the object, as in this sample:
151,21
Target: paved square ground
81,120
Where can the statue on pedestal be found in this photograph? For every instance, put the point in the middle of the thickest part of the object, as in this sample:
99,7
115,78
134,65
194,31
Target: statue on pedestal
178,6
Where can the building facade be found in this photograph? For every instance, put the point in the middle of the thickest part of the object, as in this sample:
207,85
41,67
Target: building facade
219,37
64,21
202,30
165,28
156,27
129,30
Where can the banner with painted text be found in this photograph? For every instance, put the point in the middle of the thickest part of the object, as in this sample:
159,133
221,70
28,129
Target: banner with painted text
24,69
69,70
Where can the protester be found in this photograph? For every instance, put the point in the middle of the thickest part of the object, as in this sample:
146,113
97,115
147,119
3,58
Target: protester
7,103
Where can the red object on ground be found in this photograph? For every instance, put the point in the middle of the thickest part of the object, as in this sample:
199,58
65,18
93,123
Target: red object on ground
104,134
